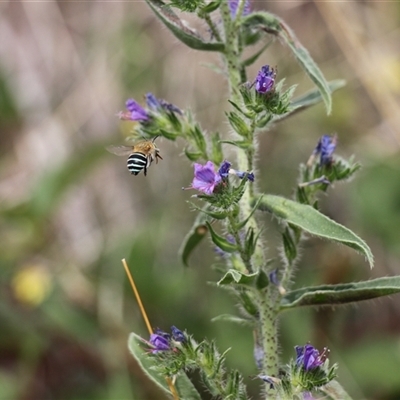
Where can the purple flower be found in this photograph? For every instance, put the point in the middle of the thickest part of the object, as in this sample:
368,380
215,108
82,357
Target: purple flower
205,178
177,334
224,169
135,112
265,79
308,396
165,335
233,6
270,379
241,175
152,101
309,358
159,343
273,277
325,147
157,104
170,107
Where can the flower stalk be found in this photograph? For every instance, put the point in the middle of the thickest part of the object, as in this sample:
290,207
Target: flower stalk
232,201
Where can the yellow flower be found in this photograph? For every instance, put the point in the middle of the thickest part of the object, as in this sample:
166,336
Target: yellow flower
31,285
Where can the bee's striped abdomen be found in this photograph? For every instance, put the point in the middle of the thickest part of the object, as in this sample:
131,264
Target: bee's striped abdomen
137,162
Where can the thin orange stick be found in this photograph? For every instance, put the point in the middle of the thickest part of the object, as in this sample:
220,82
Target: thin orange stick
135,291
147,322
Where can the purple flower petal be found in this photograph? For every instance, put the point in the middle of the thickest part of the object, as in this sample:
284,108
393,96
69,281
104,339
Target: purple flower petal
326,146
224,169
135,111
152,102
233,6
205,179
265,79
309,357
159,342
177,334
241,175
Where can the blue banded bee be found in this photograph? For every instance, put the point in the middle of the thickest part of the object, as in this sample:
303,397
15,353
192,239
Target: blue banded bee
141,155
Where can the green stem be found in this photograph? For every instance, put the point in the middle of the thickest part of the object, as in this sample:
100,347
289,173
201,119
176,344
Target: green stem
267,301
269,335
289,267
212,27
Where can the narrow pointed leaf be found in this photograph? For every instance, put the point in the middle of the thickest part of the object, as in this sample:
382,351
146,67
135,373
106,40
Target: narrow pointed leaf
216,149
242,144
191,155
241,224
193,238
183,385
221,242
328,295
199,139
309,99
234,319
257,280
211,213
312,221
252,59
186,35
273,25
233,276
334,391
210,7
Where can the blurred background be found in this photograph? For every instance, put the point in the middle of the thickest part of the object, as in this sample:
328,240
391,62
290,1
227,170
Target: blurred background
70,211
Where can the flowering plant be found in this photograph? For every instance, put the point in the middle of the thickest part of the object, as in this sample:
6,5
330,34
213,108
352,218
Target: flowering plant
229,196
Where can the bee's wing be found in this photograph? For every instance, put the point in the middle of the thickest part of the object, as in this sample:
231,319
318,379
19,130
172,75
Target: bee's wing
120,150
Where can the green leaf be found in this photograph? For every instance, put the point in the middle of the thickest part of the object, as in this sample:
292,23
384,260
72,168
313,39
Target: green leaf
309,99
167,134
242,144
180,29
344,293
234,319
252,59
183,385
211,213
258,280
192,155
334,391
314,96
147,364
210,7
221,242
241,224
273,25
216,149
248,303
239,125
312,221
199,139
289,245
193,238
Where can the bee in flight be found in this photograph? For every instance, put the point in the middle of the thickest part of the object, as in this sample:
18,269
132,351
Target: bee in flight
141,155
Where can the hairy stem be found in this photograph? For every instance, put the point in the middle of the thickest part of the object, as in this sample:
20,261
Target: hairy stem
266,300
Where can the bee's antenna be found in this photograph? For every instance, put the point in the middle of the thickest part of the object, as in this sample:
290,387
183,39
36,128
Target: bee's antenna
155,137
